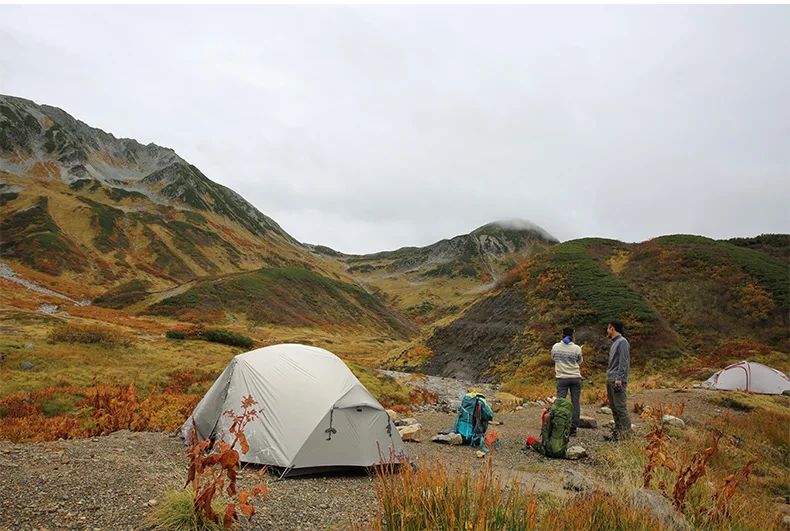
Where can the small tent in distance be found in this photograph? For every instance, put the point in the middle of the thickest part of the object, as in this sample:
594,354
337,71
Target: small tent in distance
314,415
749,376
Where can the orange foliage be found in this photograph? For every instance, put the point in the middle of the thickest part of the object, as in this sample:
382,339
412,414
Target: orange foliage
419,396
45,170
402,410
232,235
209,462
99,409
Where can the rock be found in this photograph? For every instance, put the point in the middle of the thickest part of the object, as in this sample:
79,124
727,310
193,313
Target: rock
541,403
661,508
574,481
152,502
785,508
786,521
28,345
480,453
605,410
393,415
519,408
406,422
448,438
26,365
496,422
412,432
576,452
673,421
780,499
587,422
610,423
323,506
786,392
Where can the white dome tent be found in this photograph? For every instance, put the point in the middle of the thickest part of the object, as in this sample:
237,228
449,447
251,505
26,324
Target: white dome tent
314,415
749,376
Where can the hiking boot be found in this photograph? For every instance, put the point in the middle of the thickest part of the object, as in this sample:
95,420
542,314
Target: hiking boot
611,438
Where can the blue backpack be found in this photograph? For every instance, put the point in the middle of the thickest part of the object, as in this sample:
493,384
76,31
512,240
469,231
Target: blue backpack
473,417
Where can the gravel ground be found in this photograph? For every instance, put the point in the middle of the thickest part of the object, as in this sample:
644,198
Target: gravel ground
107,483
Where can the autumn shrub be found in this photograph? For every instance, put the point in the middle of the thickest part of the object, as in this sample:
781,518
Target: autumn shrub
70,412
434,497
600,511
212,463
90,334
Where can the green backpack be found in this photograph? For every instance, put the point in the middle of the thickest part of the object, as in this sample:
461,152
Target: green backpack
556,430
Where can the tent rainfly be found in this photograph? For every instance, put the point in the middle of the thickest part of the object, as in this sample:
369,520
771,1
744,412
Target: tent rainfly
749,376
314,415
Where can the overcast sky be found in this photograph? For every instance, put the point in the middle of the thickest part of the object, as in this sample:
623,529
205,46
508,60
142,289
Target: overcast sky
369,128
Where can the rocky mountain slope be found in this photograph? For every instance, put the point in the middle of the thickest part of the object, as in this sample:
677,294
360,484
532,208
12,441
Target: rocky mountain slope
97,218
687,301
440,280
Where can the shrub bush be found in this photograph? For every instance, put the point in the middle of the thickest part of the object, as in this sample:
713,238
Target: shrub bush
215,335
89,334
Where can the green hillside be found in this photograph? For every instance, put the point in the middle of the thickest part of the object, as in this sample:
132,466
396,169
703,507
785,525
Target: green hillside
690,304
285,296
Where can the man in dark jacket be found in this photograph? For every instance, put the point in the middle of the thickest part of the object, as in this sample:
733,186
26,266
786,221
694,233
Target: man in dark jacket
617,380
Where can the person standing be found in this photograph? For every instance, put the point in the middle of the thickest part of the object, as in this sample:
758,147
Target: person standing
567,356
617,380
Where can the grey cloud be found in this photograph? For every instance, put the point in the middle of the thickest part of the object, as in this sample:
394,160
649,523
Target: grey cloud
374,127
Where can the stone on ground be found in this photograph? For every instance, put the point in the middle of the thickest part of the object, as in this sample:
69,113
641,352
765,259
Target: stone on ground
411,433
574,480
661,508
587,422
576,452
673,421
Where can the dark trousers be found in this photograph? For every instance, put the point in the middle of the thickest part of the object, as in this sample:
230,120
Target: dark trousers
575,387
618,400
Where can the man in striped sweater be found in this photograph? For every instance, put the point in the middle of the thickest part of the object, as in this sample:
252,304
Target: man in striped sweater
567,356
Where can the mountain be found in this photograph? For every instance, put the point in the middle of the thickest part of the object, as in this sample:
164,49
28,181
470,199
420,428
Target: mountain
440,280
128,226
686,301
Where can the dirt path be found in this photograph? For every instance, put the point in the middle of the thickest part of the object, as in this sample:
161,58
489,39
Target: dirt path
106,483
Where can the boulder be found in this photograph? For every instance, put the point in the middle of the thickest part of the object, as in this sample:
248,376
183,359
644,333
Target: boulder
28,345
587,422
576,452
605,410
574,481
393,415
454,439
26,365
411,433
661,508
406,422
673,421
